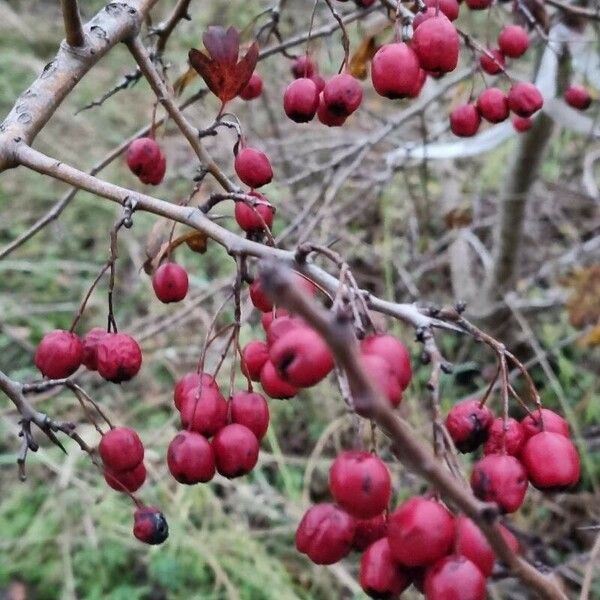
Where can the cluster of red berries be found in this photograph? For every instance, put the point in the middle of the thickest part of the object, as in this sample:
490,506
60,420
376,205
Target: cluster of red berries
420,543
116,356
537,449
146,160
235,426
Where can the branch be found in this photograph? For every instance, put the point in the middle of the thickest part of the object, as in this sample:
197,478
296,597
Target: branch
578,11
73,28
164,31
406,446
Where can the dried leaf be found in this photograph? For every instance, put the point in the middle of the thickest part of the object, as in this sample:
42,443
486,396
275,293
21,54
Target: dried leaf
223,73
583,304
459,216
591,338
158,245
361,58
184,80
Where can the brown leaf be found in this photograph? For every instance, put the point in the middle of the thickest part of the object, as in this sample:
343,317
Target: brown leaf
197,241
158,245
362,56
459,216
184,80
583,305
591,338
223,73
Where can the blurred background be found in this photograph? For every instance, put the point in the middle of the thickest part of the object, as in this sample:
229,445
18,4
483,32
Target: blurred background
414,228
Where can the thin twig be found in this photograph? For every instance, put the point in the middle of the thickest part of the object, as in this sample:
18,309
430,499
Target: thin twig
72,19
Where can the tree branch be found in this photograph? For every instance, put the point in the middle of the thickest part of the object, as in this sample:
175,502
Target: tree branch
73,27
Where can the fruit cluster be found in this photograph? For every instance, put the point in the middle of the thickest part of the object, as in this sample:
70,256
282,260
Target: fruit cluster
537,449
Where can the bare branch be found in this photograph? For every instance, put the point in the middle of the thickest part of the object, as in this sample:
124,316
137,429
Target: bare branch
73,27
164,31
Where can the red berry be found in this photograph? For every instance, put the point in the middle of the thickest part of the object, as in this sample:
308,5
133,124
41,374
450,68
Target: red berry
204,410
59,354
478,4
422,16
436,43
303,66
380,576
254,355
450,8
325,534
119,357
273,385
419,83
251,410
493,64
472,544
190,458
319,82
469,424
267,318
191,381
150,525
342,95
254,218
90,345
513,41
121,449
236,451
522,124
364,3
393,351
146,160
383,377
465,120
368,531
327,117
578,97
552,461
360,483
509,439
501,479
492,105
301,100
253,88
259,298
253,167
280,326
170,282
394,70
301,357
454,578
126,481
524,99
544,420
420,532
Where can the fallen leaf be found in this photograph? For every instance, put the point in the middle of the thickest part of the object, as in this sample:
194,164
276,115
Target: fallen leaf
361,58
583,305
184,80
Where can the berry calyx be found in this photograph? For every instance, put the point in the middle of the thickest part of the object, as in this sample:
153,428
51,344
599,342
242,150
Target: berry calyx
119,357
395,69
469,424
146,160
301,100
505,437
501,479
204,410
465,120
325,534
253,167
253,88
393,351
578,97
251,410
492,105
544,420
59,354
360,483
454,577
236,450
273,385
436,44
90,346
121,449
254,356
342,95
524,99
493,64
552,461
380,575
170,282
190,458
420,532
150,525
513,41
126,481
255,217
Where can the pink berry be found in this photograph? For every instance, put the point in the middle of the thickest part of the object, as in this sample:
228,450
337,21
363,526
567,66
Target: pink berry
513,41
522,124
524,99
469,424
119,357
121,449
501,479
236,450
450,8
368,531
383,377
253,88
146,160
342,95
253,167
273,385
150,525
465,120
280,326
190,458
436,44
303,66
394,70
191,381
493,64
552,461
90,346
380,575
360,483
454,577
251,410
254,355
254,218
328,117
170,282
204,410
509,438
301,100
422,16
392,350
492,105
325,534
544,420
578,97
126,481
59,354
420,532
267,318
259,297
